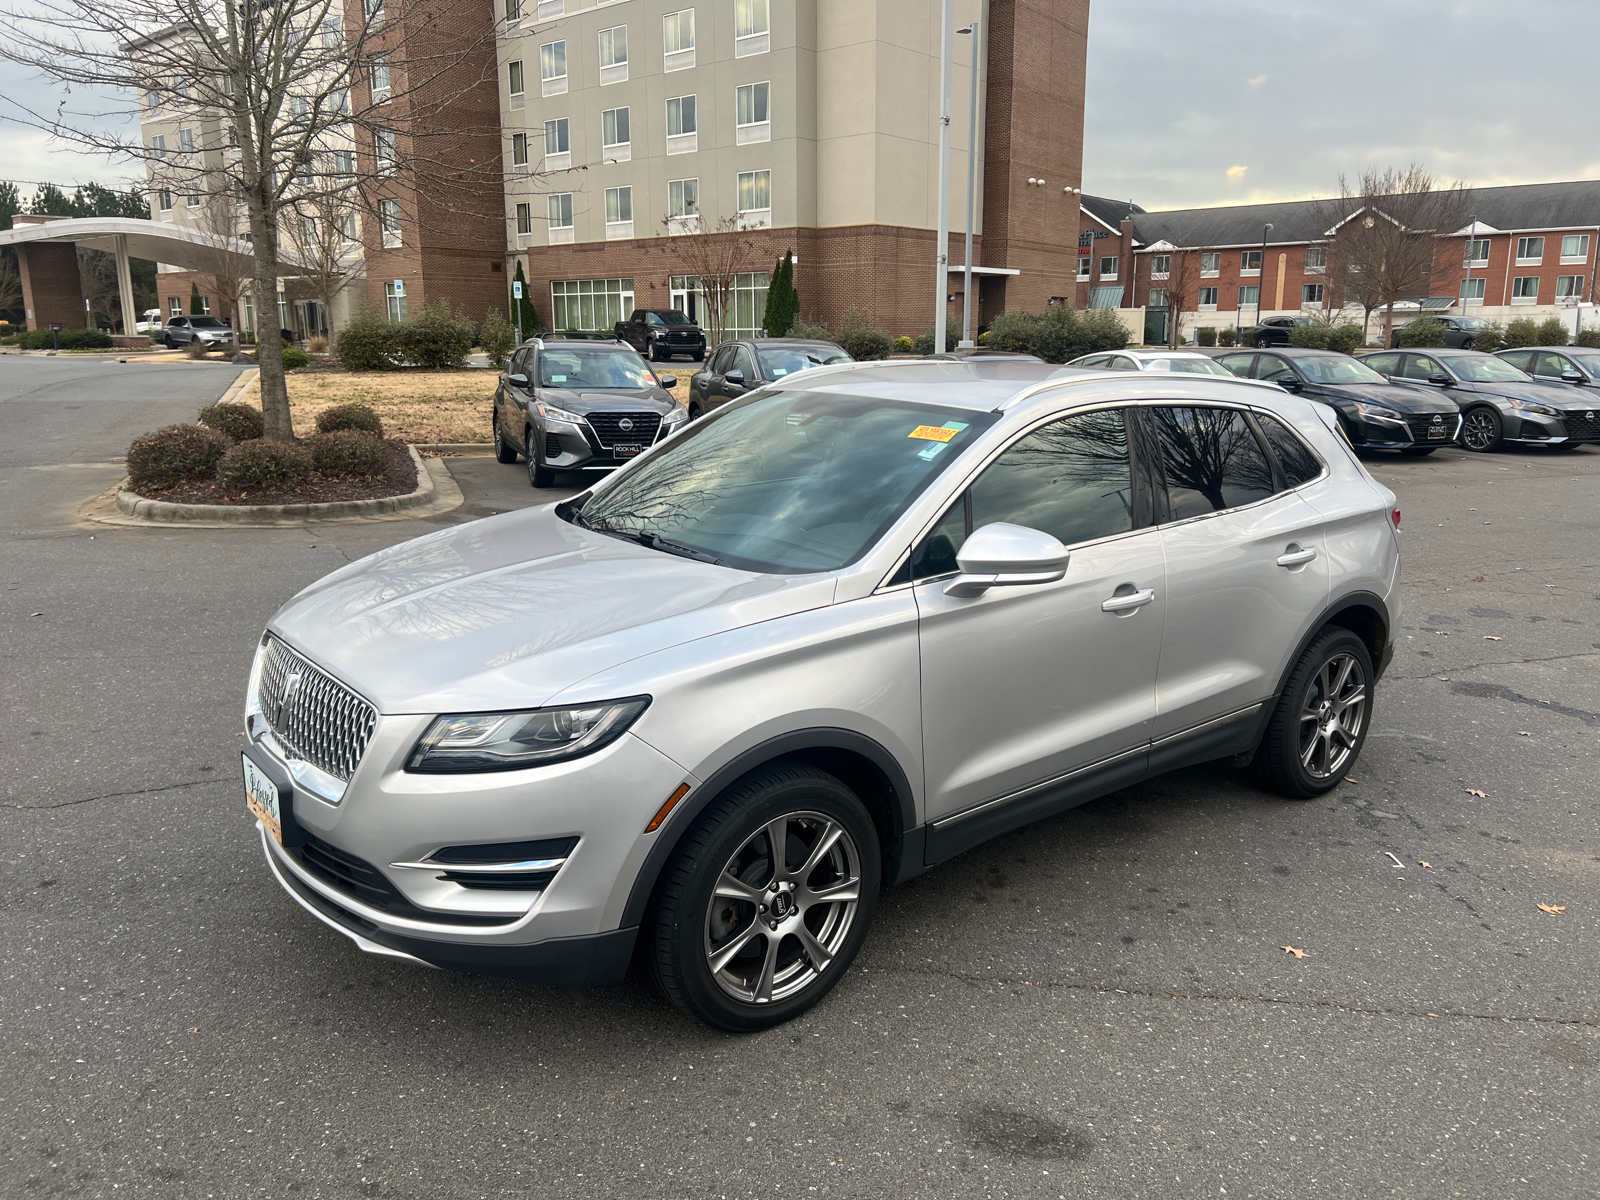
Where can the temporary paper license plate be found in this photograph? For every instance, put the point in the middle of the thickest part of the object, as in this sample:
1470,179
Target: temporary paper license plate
627,451
261,798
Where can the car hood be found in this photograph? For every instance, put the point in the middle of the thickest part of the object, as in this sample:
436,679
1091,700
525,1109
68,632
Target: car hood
1399,396
582,400
509,611
1556,395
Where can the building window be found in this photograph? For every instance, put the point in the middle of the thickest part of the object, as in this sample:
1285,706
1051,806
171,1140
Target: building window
513,11
186,141
524,219
1161,266
589,303
1250,262
559,217
384,149
164,198
557,144
754,120
613,55
619,213
1472,290
159,144
1569,287
389,222
514,76
754,190
378,72
1108,268
677,38
553,68
1477,253
194,199
344,162
1316,260
1575,248
174,306
683,206
682,137
394,295
1211,264
1530,251
1525,289
308,232
1250,297
752,24
180,87
1311,295
250,313
375,11
1085,264
519,149
1158,298
348,229
615,138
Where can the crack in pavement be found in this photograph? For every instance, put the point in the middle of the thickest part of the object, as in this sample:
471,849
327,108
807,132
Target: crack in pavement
1498,662
1162,994
108,796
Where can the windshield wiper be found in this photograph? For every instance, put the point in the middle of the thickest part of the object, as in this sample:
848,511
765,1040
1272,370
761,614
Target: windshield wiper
656,542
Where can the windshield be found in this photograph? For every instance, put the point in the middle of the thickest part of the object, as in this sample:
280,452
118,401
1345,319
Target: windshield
206,323
583,367
1189,366
1337,370
669,316
1590,359
1486,369
779,361
785,482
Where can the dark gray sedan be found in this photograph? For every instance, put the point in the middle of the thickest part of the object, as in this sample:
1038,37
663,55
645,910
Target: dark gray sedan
1577,365
1499,403
740,367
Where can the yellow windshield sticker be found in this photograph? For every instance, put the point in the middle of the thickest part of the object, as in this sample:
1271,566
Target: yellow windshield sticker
933,433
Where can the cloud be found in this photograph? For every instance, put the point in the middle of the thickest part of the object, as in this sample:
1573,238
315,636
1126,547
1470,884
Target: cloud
1237,172
1257,81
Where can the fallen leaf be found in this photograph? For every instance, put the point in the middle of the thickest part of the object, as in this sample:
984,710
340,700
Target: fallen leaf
1444,679
1477,793
1523,733
1553,908
1303,953
1347,779
37,614
1489,637
1424,864
1477,579
1441,633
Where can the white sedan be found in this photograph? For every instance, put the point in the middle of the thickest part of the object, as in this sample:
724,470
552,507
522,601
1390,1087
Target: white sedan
1184,362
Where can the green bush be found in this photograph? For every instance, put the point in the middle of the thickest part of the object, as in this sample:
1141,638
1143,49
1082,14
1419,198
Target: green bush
904,345
1344,337
1247,335
367,341
196,350
71,339
1553,332
1059,334
1588,337
349,416
1524,331
264,465
435,337
174,454
1226,336
860,340
1491,337
924,342
239,421
1205,336
811,332
983,338
497,338
1313,336
348,453
294,358
1424,331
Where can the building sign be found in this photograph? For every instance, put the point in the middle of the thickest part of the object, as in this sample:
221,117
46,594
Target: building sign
516,289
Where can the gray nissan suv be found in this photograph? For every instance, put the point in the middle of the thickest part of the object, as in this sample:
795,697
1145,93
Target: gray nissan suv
819,641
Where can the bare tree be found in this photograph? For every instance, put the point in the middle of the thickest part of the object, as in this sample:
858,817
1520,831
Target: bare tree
10,283
715,258
325,238
1382,231
281,99
222,215
1181,284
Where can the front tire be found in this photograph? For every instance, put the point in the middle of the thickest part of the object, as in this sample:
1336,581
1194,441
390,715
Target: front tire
694,412
1321,718
1481,430
503,452
539,477
1469,344
745,938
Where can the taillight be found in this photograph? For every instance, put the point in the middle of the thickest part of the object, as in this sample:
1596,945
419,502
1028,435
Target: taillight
1395,517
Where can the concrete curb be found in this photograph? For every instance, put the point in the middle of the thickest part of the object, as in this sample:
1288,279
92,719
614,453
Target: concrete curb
433,495
456,447
247,379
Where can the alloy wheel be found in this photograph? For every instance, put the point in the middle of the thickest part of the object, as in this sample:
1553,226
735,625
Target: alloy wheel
1332,716
1480,430
782,907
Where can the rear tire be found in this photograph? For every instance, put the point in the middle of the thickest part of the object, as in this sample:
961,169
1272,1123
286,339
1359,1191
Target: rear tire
1320,721
694,412
742,946
1468,344
1481,430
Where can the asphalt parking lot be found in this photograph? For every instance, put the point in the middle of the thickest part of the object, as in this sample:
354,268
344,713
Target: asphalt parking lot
1099,1005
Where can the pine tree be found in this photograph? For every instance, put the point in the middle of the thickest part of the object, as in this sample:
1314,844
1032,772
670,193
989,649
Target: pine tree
783,301
524,308
196,308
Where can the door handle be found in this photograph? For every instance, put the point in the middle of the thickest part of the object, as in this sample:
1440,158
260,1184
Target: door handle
1128,602
1296,555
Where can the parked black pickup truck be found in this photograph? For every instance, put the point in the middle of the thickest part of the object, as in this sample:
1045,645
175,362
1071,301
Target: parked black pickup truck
662,333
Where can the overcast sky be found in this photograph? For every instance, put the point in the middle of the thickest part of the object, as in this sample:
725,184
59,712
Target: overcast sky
1203,102
1194,104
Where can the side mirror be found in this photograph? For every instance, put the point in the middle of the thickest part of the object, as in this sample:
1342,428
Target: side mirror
669,381
1573,376
517,380
1291,384
735,377
1005,555
1440,379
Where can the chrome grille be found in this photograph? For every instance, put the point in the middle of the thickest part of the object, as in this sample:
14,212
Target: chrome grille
314,715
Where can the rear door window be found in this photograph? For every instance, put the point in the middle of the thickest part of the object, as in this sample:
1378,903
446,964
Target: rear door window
1420,367
1211,458
1299,463
1274,369
1383,364
1520,359
1240,364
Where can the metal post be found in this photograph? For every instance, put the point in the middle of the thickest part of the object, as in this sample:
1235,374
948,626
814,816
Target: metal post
1466,287
1261,291
130,318
946,40
975,29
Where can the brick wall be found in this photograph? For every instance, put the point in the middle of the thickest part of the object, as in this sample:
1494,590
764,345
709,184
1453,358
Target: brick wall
51,291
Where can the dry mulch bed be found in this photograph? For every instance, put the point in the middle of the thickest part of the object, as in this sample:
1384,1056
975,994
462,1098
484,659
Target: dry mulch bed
399,480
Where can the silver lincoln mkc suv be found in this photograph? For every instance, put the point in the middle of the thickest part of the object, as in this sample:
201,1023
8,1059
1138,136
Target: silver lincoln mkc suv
818,641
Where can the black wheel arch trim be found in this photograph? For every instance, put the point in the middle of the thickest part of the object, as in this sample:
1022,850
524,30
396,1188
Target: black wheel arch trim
902,847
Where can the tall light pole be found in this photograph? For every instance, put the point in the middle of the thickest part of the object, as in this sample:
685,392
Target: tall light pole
1466,287
972,179
1261,280
946,46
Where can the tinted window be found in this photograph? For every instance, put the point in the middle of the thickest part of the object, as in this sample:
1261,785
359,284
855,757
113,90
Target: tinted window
1212,460
719,364
1239,364
1383,364
1299,464
1518,358
1548,364
1273,369
1071,479
1420,366
1121,362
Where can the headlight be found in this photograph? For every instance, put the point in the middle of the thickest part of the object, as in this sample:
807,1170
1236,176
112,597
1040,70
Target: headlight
1378,412
676,416
508,741
551,413
1544,410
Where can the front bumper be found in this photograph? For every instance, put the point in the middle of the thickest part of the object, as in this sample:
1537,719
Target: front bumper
1404,431
567,447
1535,429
